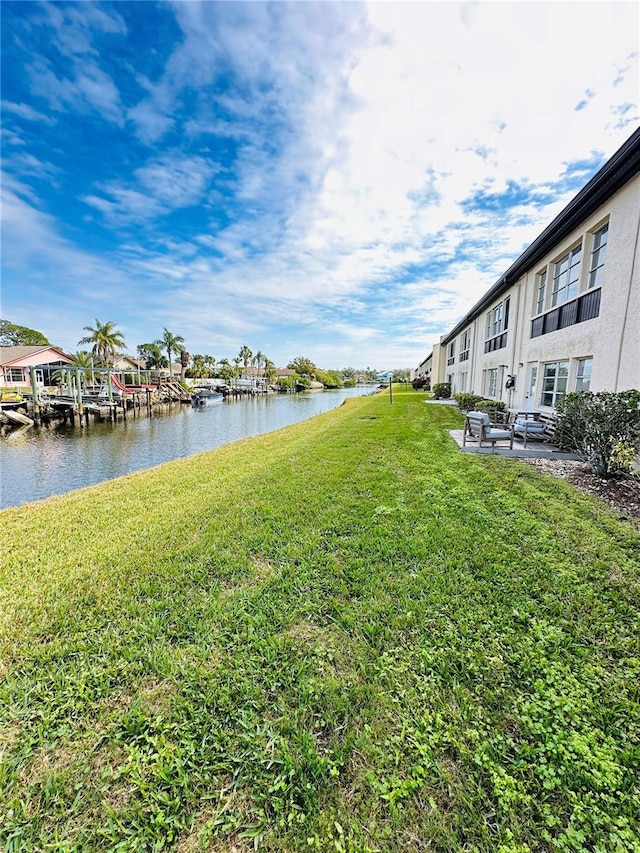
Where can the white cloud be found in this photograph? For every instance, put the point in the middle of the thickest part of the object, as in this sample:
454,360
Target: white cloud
360,135
161,186
26,112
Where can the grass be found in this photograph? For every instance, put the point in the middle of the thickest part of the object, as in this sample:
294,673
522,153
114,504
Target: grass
343,636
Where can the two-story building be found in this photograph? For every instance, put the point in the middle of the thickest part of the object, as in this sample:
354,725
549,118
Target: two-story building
565,316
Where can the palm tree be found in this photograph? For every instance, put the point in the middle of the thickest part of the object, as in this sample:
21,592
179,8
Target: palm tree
257,359
269,370
198,369
210,364
106,340
172,343
225,369
152,355
244,356
84,360
185,358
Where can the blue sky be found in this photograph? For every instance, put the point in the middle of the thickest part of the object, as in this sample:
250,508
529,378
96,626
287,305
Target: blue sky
335,180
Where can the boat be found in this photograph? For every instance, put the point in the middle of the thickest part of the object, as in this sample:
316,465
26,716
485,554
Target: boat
203,396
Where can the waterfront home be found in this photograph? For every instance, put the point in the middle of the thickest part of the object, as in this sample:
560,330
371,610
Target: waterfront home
565,316
16,363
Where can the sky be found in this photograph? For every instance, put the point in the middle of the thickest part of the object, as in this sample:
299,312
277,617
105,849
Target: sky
340,181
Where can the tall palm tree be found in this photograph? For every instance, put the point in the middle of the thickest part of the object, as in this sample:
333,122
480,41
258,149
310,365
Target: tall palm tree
210,364
106,341
225,370
269,370
172,343
244,356
257,359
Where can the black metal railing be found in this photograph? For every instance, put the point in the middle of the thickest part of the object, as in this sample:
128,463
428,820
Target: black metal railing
585,307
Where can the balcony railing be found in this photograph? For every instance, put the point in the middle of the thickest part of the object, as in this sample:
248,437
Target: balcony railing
498,342
585,307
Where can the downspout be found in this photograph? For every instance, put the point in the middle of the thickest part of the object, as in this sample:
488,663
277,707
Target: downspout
626,307
514,332
474,344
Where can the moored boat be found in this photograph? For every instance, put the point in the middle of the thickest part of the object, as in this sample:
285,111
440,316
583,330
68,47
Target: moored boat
203,396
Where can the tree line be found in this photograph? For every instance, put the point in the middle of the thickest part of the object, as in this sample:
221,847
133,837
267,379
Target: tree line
106,342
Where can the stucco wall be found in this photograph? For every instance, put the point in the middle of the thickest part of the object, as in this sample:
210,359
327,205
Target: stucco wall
612,339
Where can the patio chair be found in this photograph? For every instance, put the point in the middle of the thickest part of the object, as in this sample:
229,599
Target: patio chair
478,426
528,426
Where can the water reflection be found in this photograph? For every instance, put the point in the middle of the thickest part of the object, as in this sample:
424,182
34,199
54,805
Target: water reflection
35,464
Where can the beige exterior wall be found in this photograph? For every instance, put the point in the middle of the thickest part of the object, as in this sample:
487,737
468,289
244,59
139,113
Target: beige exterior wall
438,365
611,339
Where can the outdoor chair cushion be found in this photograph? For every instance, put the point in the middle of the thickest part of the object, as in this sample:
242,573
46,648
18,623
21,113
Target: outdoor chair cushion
482,416
529,426
497,433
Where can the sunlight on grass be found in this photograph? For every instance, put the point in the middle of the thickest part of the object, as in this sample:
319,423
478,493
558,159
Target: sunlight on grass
344,635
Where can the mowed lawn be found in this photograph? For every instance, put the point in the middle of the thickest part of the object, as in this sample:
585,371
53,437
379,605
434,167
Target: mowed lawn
343,636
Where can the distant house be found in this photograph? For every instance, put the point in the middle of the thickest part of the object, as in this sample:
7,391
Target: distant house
127,362
16,364
565,316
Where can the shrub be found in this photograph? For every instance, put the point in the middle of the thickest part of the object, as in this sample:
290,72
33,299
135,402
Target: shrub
468,402
603,428
442,390
477,403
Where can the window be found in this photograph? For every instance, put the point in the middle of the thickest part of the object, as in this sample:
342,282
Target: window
465,343
583,375
498,319
554,382
497,324
598,255
566,276
491,382
463,381
531,382
542,284
494,321
451,353
14,374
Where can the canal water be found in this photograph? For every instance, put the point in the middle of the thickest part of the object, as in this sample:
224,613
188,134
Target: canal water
37,463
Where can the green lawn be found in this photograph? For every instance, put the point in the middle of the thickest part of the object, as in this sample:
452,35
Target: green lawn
343,636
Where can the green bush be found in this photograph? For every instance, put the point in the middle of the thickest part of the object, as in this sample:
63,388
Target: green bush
478,403
468,402
492,406
442,390
603,428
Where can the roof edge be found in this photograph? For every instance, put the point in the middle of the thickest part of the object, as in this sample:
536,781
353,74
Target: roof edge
614,174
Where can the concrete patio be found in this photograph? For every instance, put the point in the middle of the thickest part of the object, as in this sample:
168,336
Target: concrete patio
534,449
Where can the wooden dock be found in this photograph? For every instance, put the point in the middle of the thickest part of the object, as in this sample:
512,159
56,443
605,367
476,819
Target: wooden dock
83,409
